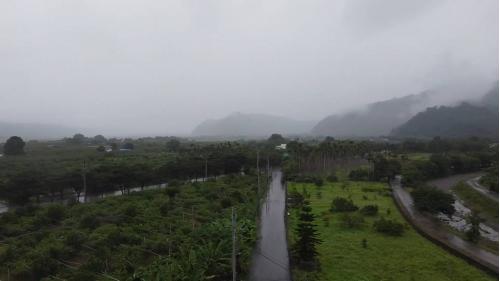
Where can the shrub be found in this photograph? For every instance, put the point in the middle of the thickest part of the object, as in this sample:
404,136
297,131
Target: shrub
306,179
74,239
164,208
237,196
389,227
340,204
226,203
369,210
89,221
332,178
172,190
364,243
318,181
473,234
130,211
359,175
351,220
55,213
295,199
433,200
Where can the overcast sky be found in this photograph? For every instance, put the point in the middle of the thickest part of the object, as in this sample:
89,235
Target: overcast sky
161,67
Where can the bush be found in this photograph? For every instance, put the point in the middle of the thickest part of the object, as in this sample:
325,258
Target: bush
226,203
433,200
352,220
359,175
74,240
295,199
369,210
130,211
89,221
389,227
172,190
306,179
332,178
165,208
318,181
55,213
340,204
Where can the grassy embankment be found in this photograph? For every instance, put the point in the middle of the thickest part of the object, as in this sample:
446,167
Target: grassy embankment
181,233
487,208
342,256
475,200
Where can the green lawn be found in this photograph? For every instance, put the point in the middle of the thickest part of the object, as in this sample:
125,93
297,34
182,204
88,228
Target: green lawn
419,156
409,257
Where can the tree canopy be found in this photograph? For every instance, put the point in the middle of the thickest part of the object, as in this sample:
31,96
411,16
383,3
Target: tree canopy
14,146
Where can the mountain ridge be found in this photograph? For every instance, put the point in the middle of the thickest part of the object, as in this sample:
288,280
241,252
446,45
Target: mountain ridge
252,124
376,119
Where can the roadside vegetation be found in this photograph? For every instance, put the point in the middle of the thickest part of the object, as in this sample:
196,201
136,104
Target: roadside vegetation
490,180
475,200
374,245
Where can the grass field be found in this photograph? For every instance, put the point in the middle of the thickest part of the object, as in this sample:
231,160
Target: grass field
419,156
342,257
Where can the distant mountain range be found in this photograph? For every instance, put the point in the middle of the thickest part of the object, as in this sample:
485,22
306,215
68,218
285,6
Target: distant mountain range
408,116
252,125
30,131
377,119
465,120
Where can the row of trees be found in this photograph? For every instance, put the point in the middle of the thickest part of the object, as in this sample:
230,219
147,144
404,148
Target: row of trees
416,172
438,145
324,157
115,172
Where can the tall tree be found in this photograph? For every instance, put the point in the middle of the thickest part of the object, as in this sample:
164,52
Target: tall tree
14,146
304,249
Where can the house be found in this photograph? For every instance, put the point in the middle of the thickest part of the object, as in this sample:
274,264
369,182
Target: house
281,146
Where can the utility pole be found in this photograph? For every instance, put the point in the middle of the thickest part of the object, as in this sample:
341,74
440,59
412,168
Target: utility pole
170,240
268,168
84,178
192,216
206,168
233,219
258,173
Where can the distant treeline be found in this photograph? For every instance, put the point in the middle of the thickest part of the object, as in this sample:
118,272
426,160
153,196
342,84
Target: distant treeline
51,173
416,160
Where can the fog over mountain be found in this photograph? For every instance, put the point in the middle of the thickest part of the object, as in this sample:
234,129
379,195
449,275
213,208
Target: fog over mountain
130,68
377,119
473,118
252,125
30,131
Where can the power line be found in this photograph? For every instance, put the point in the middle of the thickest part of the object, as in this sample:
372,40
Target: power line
273,261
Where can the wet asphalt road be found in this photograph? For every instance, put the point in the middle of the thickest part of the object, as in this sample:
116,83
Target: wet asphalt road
270,258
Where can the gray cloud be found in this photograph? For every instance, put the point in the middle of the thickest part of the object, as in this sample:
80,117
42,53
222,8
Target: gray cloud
161,67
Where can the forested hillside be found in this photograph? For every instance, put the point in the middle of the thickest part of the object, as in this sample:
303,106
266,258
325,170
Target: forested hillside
377,119
465,120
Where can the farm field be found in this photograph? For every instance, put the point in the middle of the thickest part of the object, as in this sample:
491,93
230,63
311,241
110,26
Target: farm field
343,257
180,233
